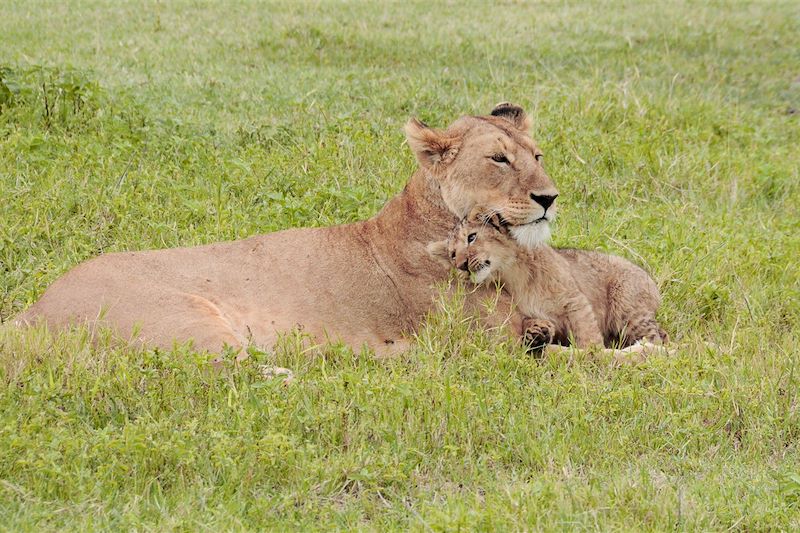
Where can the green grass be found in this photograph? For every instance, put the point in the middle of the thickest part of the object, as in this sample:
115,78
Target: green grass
668,130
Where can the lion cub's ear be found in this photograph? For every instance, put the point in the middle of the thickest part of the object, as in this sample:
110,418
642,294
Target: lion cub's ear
488,217
478,215
497,222
512,113
439,251
432,147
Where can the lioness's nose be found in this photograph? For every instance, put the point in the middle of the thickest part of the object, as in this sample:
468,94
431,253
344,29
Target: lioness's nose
544,200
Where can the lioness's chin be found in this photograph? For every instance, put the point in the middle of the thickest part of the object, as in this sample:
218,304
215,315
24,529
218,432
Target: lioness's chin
531,235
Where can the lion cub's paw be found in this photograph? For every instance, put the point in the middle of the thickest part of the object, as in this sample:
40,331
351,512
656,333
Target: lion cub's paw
537,333
269,372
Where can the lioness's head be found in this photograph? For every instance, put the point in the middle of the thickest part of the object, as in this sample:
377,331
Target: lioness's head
490,161
479,248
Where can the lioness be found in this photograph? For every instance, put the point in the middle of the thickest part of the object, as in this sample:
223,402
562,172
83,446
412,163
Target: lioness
566,295
366,283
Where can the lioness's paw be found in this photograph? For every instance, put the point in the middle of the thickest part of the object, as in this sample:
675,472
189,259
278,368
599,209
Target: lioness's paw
648,348
638,352
269,372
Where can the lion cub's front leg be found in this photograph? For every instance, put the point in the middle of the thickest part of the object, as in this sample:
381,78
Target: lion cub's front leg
581,321
537,333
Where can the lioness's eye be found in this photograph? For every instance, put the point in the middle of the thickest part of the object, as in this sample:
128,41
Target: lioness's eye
538,157
471,238
500,158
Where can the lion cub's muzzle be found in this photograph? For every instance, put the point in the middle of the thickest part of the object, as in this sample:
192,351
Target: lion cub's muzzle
470,264
477,263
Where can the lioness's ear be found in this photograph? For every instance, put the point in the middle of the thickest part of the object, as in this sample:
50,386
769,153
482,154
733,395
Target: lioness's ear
439,251
431,147
512,113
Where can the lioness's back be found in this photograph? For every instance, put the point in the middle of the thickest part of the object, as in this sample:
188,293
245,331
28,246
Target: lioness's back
126,288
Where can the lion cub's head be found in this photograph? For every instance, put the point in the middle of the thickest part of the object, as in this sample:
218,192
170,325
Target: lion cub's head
490,161
479,247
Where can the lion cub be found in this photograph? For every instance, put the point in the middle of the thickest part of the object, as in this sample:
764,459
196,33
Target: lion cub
587,297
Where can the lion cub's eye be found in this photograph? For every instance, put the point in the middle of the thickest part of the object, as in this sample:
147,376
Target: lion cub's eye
452,255
500,158
471,238
538,157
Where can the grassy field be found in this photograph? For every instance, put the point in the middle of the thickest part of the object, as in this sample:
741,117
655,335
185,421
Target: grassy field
671,130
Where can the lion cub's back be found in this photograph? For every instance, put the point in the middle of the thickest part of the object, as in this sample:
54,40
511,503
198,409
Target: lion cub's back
605,277
591,264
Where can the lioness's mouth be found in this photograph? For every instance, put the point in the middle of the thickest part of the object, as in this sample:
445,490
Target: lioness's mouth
539,220
532,233
543,218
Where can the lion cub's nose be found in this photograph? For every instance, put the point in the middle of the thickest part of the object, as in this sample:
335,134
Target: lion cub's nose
464,266
544,200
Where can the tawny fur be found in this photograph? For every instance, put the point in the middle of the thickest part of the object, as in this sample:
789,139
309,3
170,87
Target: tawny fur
565,295
367,283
